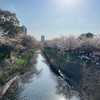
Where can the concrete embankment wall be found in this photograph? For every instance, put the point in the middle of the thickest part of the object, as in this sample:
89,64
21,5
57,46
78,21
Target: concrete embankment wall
51,65
74,68
8,84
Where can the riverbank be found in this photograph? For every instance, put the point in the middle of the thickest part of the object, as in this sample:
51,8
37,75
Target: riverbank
8,84
41,83
85,86
55,68
11,73
15,53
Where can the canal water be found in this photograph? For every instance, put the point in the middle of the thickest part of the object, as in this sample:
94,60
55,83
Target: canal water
40,83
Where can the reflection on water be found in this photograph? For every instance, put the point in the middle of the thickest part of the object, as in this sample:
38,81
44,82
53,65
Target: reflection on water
40,83
63,88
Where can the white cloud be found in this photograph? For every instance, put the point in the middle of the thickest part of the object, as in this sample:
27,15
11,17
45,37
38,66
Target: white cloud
84,20
80,19
12,6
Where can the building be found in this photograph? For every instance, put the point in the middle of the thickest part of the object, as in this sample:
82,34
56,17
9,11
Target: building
42,38
24,29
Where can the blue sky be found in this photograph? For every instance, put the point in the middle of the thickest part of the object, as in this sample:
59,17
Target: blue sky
53,18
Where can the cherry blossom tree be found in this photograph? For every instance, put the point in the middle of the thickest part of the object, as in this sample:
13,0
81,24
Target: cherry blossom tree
71,43
18,43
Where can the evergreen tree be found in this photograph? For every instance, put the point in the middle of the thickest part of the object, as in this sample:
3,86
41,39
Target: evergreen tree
9,22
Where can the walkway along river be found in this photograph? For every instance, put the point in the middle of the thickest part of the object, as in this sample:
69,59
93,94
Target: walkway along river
40,83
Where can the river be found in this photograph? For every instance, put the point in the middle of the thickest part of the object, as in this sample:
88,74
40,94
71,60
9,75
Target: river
40,83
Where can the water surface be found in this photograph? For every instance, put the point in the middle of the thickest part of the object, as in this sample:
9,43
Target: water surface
40,83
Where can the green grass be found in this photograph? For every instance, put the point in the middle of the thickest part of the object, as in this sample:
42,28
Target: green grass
23,58
19,65
13,53
86,89
68,57
59,66
20,62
